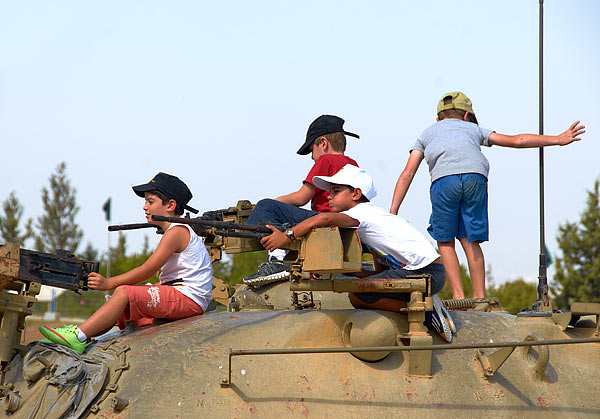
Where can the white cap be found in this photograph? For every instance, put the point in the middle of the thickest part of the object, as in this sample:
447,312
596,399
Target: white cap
349,175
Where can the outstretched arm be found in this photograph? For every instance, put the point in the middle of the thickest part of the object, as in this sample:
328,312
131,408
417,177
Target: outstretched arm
534,140
176,239
279,239
414,160
300,197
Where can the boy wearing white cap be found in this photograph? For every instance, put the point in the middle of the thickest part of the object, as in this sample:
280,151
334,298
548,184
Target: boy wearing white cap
398,249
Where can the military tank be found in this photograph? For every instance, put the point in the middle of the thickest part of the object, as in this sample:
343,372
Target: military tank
297,348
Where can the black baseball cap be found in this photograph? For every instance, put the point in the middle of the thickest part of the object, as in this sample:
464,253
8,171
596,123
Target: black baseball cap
323,125
171,186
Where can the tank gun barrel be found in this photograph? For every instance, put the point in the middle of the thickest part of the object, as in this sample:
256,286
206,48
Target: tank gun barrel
223,228
120,227
227,223
218,224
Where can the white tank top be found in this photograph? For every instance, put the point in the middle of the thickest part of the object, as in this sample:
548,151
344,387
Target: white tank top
192,268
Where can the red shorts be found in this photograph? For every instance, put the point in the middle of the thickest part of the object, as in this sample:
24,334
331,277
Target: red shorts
149,302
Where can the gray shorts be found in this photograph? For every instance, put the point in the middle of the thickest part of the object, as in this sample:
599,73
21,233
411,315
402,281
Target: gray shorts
438,279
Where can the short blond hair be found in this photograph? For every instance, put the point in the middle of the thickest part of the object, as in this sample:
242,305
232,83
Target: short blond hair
336,139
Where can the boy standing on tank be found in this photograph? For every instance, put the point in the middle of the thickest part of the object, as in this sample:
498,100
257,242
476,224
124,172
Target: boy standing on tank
459,172
185,286
398,249
326,142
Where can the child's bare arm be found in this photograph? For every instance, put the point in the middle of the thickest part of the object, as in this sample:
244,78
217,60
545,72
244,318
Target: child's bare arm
534,140
300,197
405,179
174,240
279,239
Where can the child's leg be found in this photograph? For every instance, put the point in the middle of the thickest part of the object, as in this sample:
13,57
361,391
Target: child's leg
106,316
473,228
452,267
476,263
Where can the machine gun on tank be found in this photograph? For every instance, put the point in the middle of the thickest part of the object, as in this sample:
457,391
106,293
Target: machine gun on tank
22,273
223,223
223,230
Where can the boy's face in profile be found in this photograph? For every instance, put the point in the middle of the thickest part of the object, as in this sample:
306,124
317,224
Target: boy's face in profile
343,197
153,205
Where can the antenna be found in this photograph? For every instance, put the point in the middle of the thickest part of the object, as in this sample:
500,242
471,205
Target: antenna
542,306
543,303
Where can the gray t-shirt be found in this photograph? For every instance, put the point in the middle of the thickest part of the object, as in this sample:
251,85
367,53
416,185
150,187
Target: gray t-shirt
453,146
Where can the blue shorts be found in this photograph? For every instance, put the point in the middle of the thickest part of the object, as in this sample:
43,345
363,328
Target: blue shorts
438,279
459,208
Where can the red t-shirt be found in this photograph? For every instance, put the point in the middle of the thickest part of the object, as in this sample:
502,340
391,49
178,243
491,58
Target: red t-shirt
326,165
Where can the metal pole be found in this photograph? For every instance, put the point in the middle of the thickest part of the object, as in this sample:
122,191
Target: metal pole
543,302
108,258
106,293
443,347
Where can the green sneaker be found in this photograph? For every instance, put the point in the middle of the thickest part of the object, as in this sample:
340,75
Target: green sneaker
66,336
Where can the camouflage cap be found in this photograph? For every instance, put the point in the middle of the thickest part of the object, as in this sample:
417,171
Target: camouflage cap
458,101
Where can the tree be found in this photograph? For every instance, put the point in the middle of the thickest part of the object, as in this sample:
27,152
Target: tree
120,262
9,223
578,270
90,253
514,295
446,292
57,228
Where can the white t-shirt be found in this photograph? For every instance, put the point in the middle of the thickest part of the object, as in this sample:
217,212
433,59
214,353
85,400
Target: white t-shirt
193,267
393,239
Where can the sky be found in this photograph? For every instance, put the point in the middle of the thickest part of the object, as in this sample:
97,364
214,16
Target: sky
221,94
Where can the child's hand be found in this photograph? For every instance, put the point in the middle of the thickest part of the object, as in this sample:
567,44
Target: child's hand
275,240
572,133
98,282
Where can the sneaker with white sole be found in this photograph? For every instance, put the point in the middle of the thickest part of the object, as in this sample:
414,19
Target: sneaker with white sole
436,321
272,270
438,305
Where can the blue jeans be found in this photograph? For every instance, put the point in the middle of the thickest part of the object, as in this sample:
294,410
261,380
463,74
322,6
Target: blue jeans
271,211
438,279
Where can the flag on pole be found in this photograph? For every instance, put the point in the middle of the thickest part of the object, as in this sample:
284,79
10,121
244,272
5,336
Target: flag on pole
106,209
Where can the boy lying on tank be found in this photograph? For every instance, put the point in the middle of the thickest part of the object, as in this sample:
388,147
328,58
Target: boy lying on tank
185,286
398,248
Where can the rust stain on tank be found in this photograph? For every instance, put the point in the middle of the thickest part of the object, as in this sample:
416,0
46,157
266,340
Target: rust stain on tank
542,403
